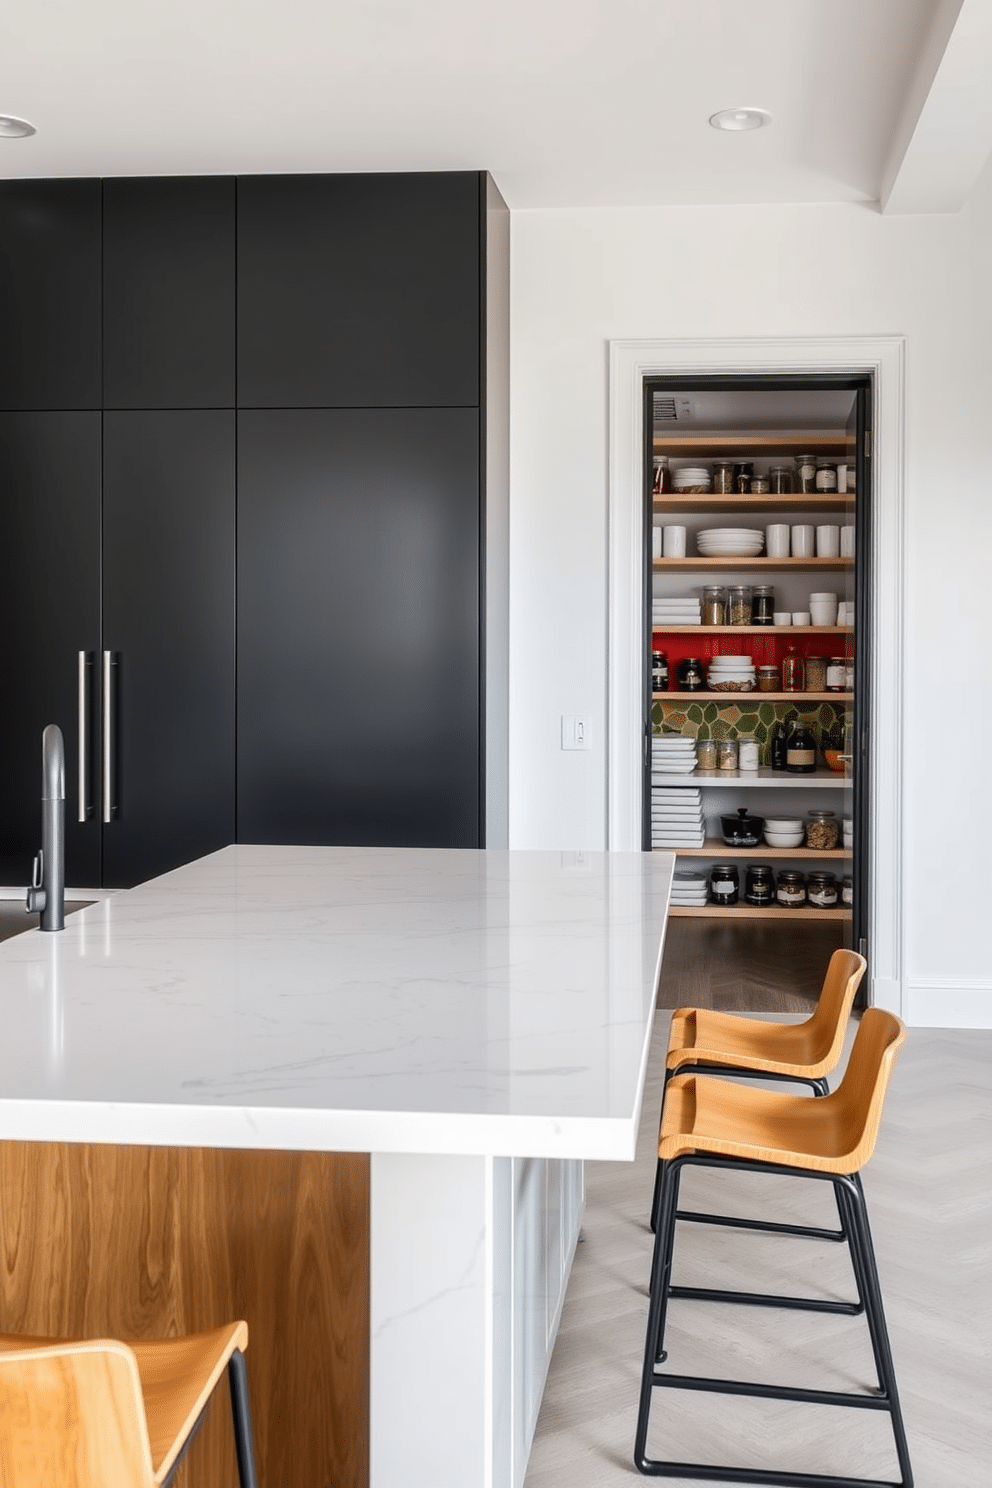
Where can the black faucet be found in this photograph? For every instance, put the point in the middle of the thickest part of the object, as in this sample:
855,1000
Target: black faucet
46,896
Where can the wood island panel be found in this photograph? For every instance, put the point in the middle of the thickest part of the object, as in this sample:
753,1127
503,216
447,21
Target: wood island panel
133,1242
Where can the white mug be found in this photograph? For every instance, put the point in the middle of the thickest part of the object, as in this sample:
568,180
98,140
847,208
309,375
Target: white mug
783,617
673,542
827,541
800,617
847,542
802,541
823,611
777,540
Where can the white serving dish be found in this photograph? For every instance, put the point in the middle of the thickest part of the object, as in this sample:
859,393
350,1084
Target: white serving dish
784,823
784,839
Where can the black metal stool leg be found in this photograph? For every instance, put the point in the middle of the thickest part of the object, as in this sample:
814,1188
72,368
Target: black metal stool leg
656,1196
241,1415
660,1277
669,1205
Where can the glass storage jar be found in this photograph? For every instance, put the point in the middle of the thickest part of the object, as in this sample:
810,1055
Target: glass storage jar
659,671
743,470
726,754
815,674
739,604
805,473
790,889
792,670
714,604
847,891
725,884
800,750
826,475
821,830
706,754
836,674
780,479
821,890
759,485
769,679
759,884
723,476
689,674
662,479
763,605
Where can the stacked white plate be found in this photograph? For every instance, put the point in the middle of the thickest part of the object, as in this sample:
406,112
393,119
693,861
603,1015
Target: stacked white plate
730,542
690,889
672,755
690,475
731,674
676,817
676,611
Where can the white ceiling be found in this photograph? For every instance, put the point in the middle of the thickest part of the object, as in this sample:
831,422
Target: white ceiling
585,103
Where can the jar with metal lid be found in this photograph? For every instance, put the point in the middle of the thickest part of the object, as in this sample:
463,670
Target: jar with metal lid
790,889
821,830
800,750
763,605
792,670
662,478
726,754
689,674
723,476
814,674
739,604
659,671
769,679
706,754
837,674
759,485
759,884
743,470
714,604
725,884
847,891
805,472
780,479
826,475
821,890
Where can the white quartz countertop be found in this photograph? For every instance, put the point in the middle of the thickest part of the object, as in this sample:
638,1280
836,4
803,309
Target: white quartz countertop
348,999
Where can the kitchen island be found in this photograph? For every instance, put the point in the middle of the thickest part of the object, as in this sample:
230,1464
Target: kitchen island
349,1090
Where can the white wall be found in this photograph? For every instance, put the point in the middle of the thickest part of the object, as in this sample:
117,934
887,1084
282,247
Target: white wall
582,278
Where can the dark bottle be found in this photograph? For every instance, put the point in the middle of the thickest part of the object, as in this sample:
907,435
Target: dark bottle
659,671
800,750
777,746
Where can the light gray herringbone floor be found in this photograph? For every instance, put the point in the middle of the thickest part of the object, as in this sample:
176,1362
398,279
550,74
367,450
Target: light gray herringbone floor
928,1189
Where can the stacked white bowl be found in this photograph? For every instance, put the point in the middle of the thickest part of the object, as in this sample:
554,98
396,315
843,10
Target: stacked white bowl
784,831
823,608
730,542
731,674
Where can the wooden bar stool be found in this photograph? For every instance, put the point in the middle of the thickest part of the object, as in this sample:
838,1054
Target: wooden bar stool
103,1414
715,1124
704,1041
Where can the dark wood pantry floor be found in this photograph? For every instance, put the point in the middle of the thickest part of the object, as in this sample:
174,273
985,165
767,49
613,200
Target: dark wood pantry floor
744,966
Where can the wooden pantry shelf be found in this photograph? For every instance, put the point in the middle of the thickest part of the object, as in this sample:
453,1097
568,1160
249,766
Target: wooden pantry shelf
762,779
755,630
754,912
771,565
731,505
759,697
717,443
715,847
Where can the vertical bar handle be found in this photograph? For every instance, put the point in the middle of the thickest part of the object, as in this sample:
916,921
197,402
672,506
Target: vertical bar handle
109,736
84,688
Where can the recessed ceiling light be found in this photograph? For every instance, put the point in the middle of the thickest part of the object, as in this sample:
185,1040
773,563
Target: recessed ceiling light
740,118
11,128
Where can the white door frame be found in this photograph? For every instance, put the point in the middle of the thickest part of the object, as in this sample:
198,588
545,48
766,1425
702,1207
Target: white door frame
882,358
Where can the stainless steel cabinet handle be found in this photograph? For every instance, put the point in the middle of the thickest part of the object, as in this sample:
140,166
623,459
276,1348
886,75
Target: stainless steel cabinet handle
109,736
84,692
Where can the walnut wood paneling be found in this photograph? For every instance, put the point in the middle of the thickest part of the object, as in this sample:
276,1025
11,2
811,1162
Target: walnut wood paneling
137,1242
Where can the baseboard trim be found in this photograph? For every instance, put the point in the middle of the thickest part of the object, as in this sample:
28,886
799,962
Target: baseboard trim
945,1002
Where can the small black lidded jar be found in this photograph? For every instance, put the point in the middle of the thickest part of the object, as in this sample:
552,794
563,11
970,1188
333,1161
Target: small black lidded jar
759,884
690,675
821,890
743,471
790,891
659,671
725,884
763,605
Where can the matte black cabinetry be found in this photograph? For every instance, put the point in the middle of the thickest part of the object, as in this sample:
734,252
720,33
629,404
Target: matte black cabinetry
358,626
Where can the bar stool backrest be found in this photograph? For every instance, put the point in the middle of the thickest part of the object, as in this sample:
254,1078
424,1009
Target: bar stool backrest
828,1023
860,1096
72,1416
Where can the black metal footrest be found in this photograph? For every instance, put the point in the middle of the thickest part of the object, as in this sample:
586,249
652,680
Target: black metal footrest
701,1382
766,1299
696,1473
767,1226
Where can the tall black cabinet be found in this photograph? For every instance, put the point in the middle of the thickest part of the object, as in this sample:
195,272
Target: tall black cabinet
243,428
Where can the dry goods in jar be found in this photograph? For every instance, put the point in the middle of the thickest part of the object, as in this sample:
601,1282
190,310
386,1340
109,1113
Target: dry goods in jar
821,830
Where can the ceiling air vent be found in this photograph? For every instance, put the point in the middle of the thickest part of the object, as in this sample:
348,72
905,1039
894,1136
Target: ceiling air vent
672,410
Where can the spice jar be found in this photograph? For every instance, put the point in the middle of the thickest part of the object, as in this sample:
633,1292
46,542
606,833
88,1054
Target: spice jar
792,671
659,671
739,604
826,475
748,754
780,479
759,884
800,750
790,889
763,605
814,674
662,479
689,674
726,754
769,679
836,674
723,476
821,830
759,485
743,470
805,473
706,754
847,891
714,604
822,890
725,883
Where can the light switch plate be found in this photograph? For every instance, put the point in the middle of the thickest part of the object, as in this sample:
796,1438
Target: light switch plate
575,731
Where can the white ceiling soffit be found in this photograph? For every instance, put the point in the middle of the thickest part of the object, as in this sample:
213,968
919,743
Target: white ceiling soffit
944,136
570,103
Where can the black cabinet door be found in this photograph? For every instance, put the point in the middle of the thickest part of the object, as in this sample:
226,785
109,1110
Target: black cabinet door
358,627
50,294
359,291
168,618
49,612
168,298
